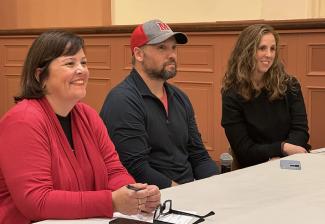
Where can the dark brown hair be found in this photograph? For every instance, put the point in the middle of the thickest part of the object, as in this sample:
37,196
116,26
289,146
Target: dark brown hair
47,47
242,64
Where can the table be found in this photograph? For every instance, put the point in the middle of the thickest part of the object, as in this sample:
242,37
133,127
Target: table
259,194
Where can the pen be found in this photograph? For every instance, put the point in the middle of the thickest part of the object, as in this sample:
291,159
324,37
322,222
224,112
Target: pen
130,187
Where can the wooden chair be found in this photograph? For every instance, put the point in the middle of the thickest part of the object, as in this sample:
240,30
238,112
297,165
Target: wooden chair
235,164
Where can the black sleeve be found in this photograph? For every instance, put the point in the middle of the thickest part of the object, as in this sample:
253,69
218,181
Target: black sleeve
246,150
298,134
125,121
202,164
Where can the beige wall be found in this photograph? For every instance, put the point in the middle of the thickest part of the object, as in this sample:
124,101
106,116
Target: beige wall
186,11
319,9
287,9
170,11
23,14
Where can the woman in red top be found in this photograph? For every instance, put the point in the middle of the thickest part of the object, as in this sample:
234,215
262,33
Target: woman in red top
56,158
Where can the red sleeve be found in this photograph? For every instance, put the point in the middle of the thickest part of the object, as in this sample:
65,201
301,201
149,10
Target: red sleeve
25,160
117,174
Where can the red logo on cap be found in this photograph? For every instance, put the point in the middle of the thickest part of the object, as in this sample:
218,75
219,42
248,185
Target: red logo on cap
163,26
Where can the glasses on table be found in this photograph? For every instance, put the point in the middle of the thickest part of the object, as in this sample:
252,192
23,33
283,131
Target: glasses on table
166,209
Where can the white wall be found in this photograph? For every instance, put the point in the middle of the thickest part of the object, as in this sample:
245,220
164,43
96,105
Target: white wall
126,12
170,11
286,9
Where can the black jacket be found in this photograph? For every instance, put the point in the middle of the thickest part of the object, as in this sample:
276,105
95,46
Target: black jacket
256,128
154,146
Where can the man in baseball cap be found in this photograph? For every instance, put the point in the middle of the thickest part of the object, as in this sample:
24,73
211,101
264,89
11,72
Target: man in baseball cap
151,121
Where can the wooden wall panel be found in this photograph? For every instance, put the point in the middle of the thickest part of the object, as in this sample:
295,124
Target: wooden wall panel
201,95
315,59
11,87
316,96
96,92
14,56
21,14
310,62
288,52
195,58
98,56
284,54
13,53
127,64
199,66
99,61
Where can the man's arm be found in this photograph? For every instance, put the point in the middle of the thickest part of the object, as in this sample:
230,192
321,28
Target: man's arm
124,118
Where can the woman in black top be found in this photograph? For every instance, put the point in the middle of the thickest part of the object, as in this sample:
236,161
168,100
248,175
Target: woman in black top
263,110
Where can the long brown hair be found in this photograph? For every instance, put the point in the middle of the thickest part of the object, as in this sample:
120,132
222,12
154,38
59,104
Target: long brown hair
242,64
47,47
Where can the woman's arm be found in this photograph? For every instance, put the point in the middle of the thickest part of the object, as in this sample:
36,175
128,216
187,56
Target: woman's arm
298,133
25,159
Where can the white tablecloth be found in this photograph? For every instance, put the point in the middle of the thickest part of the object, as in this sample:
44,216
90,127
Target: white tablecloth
264,193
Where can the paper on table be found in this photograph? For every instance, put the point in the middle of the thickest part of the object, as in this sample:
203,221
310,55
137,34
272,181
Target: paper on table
147,217
315,151
179,219
76,221
172,218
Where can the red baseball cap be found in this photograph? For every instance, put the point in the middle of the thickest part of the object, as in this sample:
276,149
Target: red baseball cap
154,32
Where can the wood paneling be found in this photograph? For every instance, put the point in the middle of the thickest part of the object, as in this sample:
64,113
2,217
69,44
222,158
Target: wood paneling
196,58
315,59
288,52
202,98
201,66
12,55
316,96
96,90
21,14
310,64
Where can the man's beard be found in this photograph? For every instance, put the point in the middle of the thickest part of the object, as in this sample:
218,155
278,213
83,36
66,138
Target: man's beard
163,73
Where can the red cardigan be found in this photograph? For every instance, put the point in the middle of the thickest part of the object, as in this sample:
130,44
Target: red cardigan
41,177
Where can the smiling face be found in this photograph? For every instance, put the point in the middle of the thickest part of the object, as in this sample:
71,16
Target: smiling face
265,54
68,78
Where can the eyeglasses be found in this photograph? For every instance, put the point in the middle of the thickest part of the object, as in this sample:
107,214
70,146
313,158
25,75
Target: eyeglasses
166,209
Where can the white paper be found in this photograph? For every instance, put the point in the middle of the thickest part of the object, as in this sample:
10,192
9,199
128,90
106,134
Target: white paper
147,217
315,151
179,219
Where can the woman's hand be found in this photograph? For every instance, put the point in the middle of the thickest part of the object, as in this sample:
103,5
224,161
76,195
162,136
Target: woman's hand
290,149
153,199
130,202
